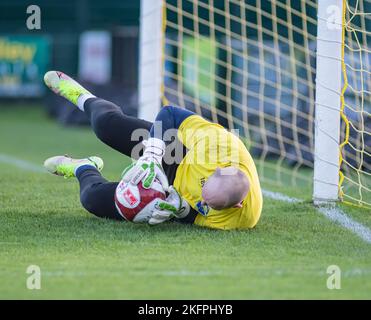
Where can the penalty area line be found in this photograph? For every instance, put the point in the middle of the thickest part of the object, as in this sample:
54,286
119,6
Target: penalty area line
334,214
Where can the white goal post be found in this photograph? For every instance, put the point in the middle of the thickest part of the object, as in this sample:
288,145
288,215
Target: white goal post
328,101
327,86
150,58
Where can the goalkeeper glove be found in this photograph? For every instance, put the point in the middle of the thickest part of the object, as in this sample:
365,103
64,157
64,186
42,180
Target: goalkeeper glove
148,167
173,206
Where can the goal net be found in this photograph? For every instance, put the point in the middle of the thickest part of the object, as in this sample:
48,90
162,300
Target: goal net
355,173
248,65
251,65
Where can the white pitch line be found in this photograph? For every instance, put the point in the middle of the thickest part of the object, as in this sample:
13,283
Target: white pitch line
334,214
337,215
279,196
19,163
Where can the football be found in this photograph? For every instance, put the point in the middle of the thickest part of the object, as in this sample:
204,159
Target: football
135,203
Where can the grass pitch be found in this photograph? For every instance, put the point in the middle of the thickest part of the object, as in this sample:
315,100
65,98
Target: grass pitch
81,256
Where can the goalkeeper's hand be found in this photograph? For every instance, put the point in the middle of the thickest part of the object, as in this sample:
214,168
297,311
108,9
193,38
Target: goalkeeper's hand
148,167
173,206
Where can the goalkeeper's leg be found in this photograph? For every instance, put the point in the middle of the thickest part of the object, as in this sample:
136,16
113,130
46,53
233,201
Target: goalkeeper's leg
108,121
97,194
113,127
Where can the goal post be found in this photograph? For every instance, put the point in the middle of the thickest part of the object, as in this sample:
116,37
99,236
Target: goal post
150,58
292,77
328,101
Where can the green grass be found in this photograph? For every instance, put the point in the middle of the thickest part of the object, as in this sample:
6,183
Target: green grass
81,256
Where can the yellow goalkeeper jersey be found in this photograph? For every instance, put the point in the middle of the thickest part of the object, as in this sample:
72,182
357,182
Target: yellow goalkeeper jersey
211,146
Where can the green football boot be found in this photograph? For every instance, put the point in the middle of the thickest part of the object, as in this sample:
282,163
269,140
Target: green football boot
64,86
66,166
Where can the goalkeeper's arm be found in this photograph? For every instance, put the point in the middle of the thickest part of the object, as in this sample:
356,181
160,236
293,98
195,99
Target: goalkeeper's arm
149,166
169,117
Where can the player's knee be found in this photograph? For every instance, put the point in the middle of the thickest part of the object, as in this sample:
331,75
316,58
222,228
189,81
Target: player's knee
101,124
90,201
93,202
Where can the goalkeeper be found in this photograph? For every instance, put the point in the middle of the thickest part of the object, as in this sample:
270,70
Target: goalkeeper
213,184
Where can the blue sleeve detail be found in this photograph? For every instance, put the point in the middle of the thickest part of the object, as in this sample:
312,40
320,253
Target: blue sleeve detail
170,118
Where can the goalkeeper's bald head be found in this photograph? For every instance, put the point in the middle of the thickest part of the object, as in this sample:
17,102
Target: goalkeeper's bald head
226,188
